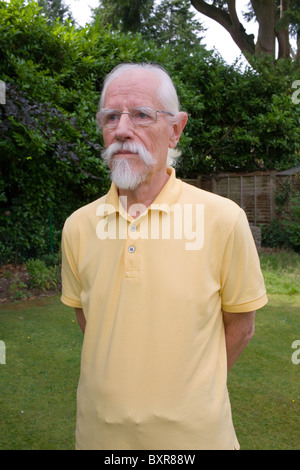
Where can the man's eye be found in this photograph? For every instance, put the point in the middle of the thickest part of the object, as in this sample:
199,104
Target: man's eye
112,117
140,115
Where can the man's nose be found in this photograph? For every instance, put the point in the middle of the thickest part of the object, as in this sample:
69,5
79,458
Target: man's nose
124,129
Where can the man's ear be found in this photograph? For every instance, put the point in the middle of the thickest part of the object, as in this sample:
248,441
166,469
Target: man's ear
178,126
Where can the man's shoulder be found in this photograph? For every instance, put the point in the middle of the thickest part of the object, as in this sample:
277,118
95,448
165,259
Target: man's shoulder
220,213
213,201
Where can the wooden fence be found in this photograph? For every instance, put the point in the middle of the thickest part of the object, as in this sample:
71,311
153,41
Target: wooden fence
255,192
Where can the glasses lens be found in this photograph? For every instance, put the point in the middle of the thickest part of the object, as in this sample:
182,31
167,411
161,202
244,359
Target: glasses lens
110,118
142,116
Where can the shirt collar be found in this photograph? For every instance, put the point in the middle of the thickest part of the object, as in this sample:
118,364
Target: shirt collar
167,197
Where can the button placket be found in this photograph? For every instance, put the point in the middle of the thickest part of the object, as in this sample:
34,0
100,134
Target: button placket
132,253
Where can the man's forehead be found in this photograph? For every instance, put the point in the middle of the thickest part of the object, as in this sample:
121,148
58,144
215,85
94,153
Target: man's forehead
135,84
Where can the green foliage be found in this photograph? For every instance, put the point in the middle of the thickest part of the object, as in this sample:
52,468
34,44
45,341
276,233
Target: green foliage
124,15
47,155
41,276
284,231
173,22
292,225
55,9
238,121
274,235
18,290
168,22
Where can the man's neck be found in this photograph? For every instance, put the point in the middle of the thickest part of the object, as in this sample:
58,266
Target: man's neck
137,200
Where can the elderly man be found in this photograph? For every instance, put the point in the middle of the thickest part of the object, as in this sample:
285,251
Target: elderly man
164,279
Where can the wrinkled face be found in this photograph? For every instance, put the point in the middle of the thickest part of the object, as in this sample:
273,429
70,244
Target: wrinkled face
129,90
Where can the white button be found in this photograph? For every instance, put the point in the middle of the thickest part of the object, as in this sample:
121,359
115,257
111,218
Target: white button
133,228
131,249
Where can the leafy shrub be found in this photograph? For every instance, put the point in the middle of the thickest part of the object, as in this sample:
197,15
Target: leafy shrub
284,233
40,275
274,235
18,290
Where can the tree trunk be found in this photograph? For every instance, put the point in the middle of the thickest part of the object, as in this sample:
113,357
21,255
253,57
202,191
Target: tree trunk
282,34
265,11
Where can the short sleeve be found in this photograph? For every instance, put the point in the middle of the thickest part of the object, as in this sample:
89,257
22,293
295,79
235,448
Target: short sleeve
71,287
242,283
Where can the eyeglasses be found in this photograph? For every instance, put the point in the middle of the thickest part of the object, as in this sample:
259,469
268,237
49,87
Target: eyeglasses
140,116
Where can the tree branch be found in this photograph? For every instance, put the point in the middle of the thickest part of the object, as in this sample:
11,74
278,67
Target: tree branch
230,22
214,13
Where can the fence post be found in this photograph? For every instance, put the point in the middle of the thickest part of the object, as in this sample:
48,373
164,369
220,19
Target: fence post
272,195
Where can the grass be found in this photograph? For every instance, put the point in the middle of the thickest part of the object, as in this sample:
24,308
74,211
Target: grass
264,383
38,382
43,343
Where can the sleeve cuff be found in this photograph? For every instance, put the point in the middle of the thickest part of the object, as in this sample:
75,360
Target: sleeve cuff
70,302
247,306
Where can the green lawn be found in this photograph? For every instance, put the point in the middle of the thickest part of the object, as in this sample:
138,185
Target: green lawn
264,384
39,380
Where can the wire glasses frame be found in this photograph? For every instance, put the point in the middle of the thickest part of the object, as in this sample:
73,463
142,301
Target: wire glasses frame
139,116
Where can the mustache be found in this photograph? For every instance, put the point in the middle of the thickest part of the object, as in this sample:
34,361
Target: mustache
139,149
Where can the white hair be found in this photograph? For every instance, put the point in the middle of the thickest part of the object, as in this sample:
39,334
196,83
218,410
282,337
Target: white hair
166,94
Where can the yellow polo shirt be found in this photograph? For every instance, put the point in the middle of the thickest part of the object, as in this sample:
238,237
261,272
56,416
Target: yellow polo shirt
153,366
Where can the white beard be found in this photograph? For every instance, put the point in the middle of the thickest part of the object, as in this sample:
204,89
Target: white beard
122,174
